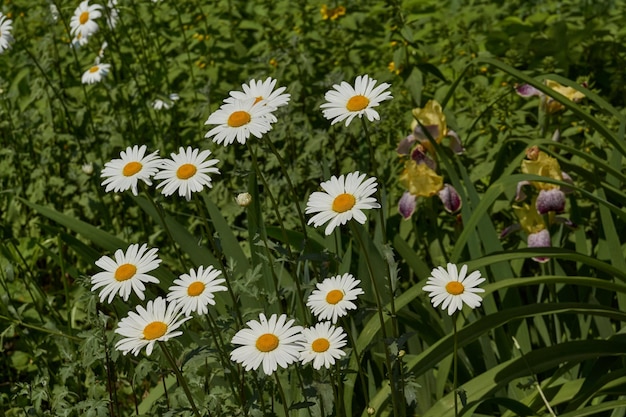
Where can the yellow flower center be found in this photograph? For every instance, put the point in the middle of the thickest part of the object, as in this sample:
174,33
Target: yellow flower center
93,69
334,296
154,330
343,202
320,345
357,103
84,17
125,272
131,168
239,118
195,289
267,342
186,171
455,288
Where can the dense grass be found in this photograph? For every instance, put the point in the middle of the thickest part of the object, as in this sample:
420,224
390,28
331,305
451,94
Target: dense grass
548,336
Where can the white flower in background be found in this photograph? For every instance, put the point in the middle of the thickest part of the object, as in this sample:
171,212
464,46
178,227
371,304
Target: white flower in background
126,273
451,288
54,12
343,198
95,74
146,326
186,172
134,165
104,46
87,168
263,94
346,102
159,104
194,291
83,22
78,41
6,26
113,14
322,345
334,297
274,342
238,120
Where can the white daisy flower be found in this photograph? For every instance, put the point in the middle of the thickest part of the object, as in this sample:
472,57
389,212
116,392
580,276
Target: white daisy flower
113,15
160,104
124,173
83,22
186,172
237,120
194,291
273,343
6,26
146,326
128,272
322,345
263,93
78,41
333,297
345,102
343,198
95,74
452,288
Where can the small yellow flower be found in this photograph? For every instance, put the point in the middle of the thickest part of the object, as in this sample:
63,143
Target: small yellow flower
273,63
540,163
332,13
553,106
529,218
432,115
420,180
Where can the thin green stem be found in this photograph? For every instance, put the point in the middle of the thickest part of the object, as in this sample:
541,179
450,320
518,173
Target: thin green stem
282,394
20,323
227,277
296,197
456,367
181,379
397,405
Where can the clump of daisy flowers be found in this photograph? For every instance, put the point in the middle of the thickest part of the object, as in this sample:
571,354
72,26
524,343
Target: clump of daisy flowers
451,288
247,112
345,102
343,199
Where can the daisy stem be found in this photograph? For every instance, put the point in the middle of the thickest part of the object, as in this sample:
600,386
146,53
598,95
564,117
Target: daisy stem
209,234
219,342
455,366
263,235
181,379
359,369
282,394
372,167
296,198
395,390
159,212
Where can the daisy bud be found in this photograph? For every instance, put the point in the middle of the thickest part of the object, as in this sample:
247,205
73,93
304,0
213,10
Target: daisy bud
87,168
243,199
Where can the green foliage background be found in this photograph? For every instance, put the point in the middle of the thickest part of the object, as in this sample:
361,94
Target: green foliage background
56,219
